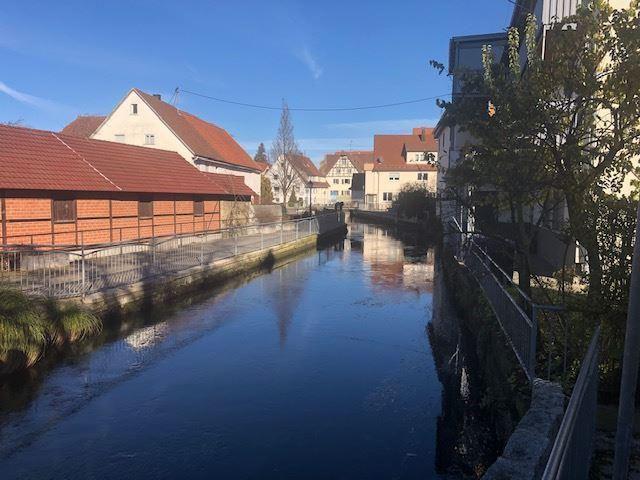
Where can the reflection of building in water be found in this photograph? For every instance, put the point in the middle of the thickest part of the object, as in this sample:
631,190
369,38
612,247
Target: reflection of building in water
284,287
390,266
147,337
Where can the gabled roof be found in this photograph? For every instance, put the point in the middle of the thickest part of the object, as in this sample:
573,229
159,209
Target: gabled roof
40,160
204,139
264,166
304,166
233,184
83,125
388,151
357,158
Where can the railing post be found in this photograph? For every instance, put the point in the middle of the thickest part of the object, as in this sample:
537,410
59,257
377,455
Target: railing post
202,252
297,223
235,242
82,262
532,341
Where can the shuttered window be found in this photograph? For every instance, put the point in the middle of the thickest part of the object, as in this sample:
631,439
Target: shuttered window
198,208
64,211
145,209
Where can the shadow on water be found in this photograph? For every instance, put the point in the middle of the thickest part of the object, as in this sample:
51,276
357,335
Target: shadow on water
355,388
139,328
467,443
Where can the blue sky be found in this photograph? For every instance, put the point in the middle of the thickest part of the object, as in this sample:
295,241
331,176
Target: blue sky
61,59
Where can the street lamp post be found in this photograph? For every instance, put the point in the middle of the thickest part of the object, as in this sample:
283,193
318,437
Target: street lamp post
310,185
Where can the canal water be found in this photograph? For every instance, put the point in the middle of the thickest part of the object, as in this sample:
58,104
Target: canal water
322,368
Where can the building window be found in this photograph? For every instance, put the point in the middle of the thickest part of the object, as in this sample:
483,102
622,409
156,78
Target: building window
64,211
394,176
336,180
346,180
134,109
119,137
387,196
149,139
334,193
198,208
145,209
423,176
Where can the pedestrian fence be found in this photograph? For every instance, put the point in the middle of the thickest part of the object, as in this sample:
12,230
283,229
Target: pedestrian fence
76,270
520,319
518,315
573,447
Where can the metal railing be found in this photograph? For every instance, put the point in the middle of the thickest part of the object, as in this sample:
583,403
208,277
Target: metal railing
77,270
517,314
571,452
372,207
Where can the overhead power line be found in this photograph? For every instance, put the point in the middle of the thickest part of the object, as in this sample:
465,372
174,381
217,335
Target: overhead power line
321,109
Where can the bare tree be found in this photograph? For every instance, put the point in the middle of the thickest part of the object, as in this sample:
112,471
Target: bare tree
282,151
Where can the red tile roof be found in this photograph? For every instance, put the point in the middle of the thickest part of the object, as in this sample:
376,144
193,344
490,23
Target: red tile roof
388,151
40,160
37,160
304,166
264,166
83,126
357,157
204,139
233,184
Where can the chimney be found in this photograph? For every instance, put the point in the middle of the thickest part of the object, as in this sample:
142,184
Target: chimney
158,96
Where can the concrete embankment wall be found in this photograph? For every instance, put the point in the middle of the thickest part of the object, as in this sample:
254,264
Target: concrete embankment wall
162,289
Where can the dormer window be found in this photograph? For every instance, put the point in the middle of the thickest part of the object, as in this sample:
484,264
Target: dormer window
134,109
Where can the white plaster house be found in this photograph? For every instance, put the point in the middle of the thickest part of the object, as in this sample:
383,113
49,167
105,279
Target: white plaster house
144,119
339,168
307,181
399,160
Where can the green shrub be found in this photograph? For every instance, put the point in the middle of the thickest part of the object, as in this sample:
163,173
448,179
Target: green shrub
29,325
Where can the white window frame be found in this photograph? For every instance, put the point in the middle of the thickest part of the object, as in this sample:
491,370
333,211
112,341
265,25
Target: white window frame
149,139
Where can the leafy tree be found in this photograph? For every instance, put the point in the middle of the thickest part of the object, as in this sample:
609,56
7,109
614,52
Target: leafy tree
282,151
591,127
266,192
261,154
415,201
566,130
505,167
293,200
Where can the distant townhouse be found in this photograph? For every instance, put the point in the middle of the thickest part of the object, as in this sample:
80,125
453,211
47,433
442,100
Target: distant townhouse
58,189
339,169
145,120
306,182
399,160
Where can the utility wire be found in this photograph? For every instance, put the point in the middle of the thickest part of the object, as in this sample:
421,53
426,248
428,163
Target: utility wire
336,109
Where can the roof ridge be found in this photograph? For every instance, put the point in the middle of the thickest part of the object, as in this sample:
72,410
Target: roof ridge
85,160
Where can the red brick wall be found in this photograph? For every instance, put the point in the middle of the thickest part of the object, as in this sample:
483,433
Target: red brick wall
28,220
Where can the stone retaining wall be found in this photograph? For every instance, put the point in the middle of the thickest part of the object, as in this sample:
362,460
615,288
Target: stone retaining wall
527,451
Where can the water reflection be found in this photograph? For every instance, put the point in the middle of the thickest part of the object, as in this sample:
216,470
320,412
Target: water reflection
467,443
320,369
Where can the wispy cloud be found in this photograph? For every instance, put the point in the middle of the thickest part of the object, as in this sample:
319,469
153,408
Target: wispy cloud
371,127
28,99
310,62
